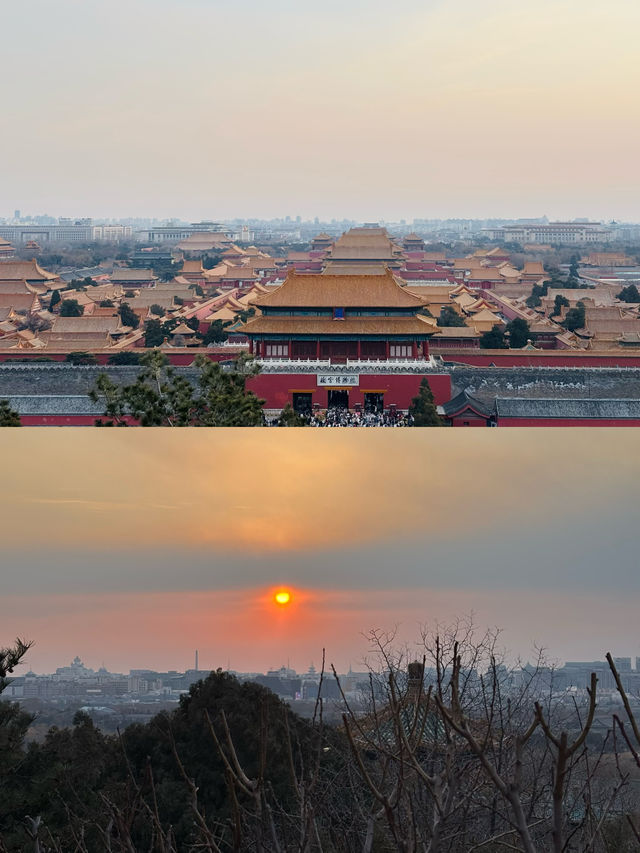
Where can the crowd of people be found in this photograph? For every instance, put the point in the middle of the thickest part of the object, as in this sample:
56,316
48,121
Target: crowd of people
340,417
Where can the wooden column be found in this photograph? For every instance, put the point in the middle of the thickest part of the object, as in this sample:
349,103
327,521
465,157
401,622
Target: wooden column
414,349
386,349
359,350
318,349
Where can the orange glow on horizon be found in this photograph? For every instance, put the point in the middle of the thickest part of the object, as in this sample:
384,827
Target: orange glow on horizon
83,500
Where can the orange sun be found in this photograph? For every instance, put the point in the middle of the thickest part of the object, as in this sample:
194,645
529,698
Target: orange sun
282,597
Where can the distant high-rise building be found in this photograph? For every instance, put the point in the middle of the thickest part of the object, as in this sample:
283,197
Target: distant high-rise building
563,233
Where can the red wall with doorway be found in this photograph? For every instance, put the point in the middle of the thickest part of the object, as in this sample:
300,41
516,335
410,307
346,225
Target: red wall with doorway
277,389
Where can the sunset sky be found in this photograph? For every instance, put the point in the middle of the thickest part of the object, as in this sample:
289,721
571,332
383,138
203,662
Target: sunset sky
134,548
364,109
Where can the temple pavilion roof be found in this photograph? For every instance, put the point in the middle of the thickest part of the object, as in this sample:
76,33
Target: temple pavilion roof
364,244
344,291
25,271
350,326
183,329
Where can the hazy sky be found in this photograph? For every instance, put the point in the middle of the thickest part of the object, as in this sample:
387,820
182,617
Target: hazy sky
365,109
134,548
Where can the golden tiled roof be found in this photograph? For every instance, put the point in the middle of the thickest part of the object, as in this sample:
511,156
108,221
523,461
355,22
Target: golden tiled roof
365,268
485,274
85,325
223,313
25,271
183,329
17,301
340,291
16,285
130,274
277,325
485,316
457,332
192,266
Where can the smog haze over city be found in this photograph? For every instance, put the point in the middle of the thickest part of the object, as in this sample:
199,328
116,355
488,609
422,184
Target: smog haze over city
135,551
213,109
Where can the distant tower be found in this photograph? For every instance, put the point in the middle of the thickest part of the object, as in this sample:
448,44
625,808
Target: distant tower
196,660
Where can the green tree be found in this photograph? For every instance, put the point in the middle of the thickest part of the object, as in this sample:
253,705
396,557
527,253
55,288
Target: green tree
629,294
450,317
209,261
79,357
555,279
71,308
55,299
422,407
575,318
107,303
154,333
215,333
124,357
519,333
128,316
156,309
14,722
162,397
537,291
573,266
82,283
290,418
558,304
243,316
493,339
8,418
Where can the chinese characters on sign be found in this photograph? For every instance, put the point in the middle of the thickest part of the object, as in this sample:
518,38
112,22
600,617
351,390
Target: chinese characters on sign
338,379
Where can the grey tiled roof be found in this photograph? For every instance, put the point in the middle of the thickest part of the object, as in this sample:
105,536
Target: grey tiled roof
462,400
61,404
523,407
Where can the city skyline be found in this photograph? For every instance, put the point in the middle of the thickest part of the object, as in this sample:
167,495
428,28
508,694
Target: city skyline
182,543
441,109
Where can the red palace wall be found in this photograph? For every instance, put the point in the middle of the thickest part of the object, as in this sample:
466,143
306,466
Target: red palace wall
468,420
542,358
58,420
178,357
66,420
277,389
